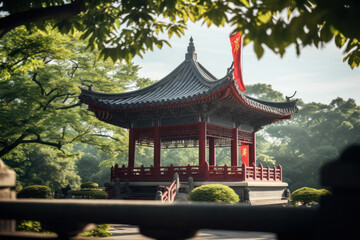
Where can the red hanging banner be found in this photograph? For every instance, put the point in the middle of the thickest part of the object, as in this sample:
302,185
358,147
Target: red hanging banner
235,40
244,150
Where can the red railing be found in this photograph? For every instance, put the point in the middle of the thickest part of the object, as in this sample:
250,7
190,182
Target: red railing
199,173
168,193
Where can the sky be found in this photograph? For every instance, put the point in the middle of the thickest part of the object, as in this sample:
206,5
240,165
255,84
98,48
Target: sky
318,75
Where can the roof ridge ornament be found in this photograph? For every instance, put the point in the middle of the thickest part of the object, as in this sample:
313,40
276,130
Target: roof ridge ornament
191,54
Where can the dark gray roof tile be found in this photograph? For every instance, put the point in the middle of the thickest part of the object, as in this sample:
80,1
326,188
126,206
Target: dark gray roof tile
188,82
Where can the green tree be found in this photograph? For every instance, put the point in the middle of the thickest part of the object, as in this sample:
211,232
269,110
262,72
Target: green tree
41,105
264,92
42,165
123,29
312,137
87,166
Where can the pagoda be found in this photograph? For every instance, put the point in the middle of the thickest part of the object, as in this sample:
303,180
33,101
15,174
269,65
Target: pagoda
192,108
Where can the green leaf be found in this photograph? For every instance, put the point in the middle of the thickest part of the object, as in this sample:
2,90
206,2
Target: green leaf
340,40
259,50
264,17
326,35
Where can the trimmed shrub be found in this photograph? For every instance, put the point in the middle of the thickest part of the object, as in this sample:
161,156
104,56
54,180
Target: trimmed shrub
35,191
89,185
90,193
214,193
100,230
307,195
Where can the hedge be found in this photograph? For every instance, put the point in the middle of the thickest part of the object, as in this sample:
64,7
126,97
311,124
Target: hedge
35,191
90,193
214,193
307,195
89,185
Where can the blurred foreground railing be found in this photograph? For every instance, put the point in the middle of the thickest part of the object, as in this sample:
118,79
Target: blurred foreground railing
176,221
335,218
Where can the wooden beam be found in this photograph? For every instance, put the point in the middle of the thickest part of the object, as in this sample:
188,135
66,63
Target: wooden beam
234,148
132,138
212,152
202,143
157,148
252,151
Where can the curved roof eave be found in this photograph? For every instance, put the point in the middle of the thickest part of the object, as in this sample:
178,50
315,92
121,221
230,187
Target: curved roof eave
281,109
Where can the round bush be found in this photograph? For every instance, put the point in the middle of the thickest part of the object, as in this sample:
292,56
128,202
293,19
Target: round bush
35,191
89,185
307,195
90,194
214,193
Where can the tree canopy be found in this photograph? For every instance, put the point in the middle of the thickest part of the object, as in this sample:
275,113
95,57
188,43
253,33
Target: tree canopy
314,135
123,29
39,101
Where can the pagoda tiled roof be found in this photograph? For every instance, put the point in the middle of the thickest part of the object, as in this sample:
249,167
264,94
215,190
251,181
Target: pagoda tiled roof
187,83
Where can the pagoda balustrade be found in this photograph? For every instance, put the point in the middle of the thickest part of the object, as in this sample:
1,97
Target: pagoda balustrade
199,173
206,136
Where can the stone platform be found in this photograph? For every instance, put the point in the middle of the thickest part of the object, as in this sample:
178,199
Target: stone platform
250,193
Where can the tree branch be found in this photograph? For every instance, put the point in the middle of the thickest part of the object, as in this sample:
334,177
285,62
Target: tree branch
40,141
51,91
107,136
3,143
8,148
41,14
71,106
54,97
38,83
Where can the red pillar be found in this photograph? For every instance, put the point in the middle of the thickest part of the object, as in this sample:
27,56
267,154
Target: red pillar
202,143
157,148
132,139
212,156
252,151
234,148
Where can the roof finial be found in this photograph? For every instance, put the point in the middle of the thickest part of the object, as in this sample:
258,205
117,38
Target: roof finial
191,54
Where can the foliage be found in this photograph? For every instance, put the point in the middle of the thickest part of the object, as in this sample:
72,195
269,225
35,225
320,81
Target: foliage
90,193
123,29
214,193
28,226
43,165
313,136
87,165
307,195
35,191
18,186
264,92
39,103
100,230
89,185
